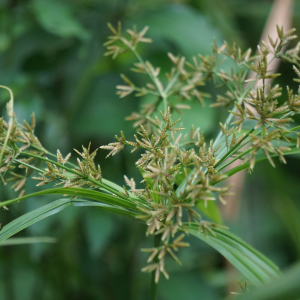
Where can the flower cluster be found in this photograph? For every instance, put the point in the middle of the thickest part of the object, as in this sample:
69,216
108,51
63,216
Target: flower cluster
181,174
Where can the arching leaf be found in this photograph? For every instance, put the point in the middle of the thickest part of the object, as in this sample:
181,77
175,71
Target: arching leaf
251,263
32,217
287,287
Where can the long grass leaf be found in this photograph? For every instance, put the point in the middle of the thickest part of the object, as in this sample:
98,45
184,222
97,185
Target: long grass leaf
114,209
27,240
33,217
287,287
91,194
251,263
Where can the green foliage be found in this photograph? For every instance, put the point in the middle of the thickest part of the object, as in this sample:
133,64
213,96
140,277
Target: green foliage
286,287
33,217
252,264
22,241
56,17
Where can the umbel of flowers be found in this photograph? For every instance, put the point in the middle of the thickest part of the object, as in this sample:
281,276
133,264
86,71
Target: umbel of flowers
180,172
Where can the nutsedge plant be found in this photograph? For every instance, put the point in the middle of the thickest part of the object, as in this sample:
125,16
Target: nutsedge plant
183,175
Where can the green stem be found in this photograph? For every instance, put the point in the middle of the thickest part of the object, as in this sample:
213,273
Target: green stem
77,173
234,148
29,166
234,159
165,101
104,184
163,93
154,285
258,159
171,84
230,116
10,112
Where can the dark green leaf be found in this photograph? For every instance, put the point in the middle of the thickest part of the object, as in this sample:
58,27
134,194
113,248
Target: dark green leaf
56,17
114,209
27,240
33,217
211,211
258,159
251,263
50,209
91,194
286,287
150,185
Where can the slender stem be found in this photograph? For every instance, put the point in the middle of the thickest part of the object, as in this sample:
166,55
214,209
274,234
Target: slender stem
240,146
163,93
260,158
148,91
42,149
220,133
159,87
165,101
234,159
171,84
154,285
230,116
234,148
240,99
101,184
10,112
29,166
77,173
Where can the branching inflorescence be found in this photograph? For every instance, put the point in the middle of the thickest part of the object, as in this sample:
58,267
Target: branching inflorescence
180,172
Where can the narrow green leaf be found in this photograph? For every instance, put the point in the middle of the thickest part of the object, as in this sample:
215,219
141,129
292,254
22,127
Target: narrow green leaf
211,211
118,188
91,194
114,209
251,263
295,128
258,159
33,217
50,209
27,240
150,184
287,287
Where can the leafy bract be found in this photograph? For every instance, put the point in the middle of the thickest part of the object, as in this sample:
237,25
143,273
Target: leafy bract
33,217
210,210
27,240
50,209
259,159
287,287
91,194
114,209
251,263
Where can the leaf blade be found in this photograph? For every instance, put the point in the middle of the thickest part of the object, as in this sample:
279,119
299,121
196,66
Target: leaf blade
287,287
91,194
114,209
32,217
211,211
251,263
27,240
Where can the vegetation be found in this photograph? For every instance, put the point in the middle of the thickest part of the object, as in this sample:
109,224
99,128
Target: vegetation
183,171
182,176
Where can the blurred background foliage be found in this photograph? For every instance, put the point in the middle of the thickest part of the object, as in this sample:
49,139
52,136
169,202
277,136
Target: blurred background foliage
51,56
